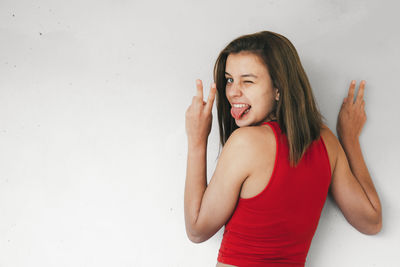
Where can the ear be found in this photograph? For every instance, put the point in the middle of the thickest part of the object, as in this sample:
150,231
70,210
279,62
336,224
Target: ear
277,94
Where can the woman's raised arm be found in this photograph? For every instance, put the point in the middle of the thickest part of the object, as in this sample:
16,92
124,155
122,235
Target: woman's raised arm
352,186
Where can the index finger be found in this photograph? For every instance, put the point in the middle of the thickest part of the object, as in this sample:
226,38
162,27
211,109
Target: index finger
350,96
360,93
199,86
211,97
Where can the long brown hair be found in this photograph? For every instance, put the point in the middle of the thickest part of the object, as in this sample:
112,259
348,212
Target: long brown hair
296,111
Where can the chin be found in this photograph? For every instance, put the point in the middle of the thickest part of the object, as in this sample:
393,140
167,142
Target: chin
248,122
244,123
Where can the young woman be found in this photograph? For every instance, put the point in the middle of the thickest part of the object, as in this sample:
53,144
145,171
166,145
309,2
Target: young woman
278,160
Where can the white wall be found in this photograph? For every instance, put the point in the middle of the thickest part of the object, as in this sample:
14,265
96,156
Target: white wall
92,134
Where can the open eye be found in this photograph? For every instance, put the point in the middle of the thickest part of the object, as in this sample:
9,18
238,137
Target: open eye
229,80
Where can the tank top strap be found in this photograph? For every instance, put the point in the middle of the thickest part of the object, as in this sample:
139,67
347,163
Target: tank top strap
275,126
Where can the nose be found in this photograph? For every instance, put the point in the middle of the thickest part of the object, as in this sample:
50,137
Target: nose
234,90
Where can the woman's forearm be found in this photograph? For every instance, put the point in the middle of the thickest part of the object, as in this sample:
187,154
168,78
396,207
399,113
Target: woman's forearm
196,183
357,164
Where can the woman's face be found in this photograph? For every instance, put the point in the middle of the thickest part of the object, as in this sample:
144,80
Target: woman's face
248,83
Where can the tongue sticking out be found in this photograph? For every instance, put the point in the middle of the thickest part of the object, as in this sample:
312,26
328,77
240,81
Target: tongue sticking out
238,112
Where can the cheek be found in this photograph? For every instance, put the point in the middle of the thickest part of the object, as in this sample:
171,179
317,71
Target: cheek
227,90
266,102
266,97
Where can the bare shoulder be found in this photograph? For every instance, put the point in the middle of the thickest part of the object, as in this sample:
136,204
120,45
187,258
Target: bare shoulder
329,137
253,144
331,143
253,136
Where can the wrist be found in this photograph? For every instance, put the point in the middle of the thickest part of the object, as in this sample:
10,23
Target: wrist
197,145
349,142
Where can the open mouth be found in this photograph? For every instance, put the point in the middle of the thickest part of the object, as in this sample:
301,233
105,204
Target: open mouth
239,111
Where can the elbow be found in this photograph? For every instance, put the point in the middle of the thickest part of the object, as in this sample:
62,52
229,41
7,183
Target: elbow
373,229
194,236
368,223
377,225
195,239
191,232
198,235
374,226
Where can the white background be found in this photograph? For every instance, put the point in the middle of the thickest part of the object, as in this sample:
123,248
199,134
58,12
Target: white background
92,127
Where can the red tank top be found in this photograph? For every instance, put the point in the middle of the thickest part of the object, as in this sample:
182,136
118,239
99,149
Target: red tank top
275,227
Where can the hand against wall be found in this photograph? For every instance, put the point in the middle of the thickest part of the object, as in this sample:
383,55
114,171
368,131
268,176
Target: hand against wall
352,116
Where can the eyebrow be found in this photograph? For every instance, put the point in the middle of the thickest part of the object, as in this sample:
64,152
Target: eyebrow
244,75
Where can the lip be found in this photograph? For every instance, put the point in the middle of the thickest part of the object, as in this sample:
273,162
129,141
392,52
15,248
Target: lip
240,103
